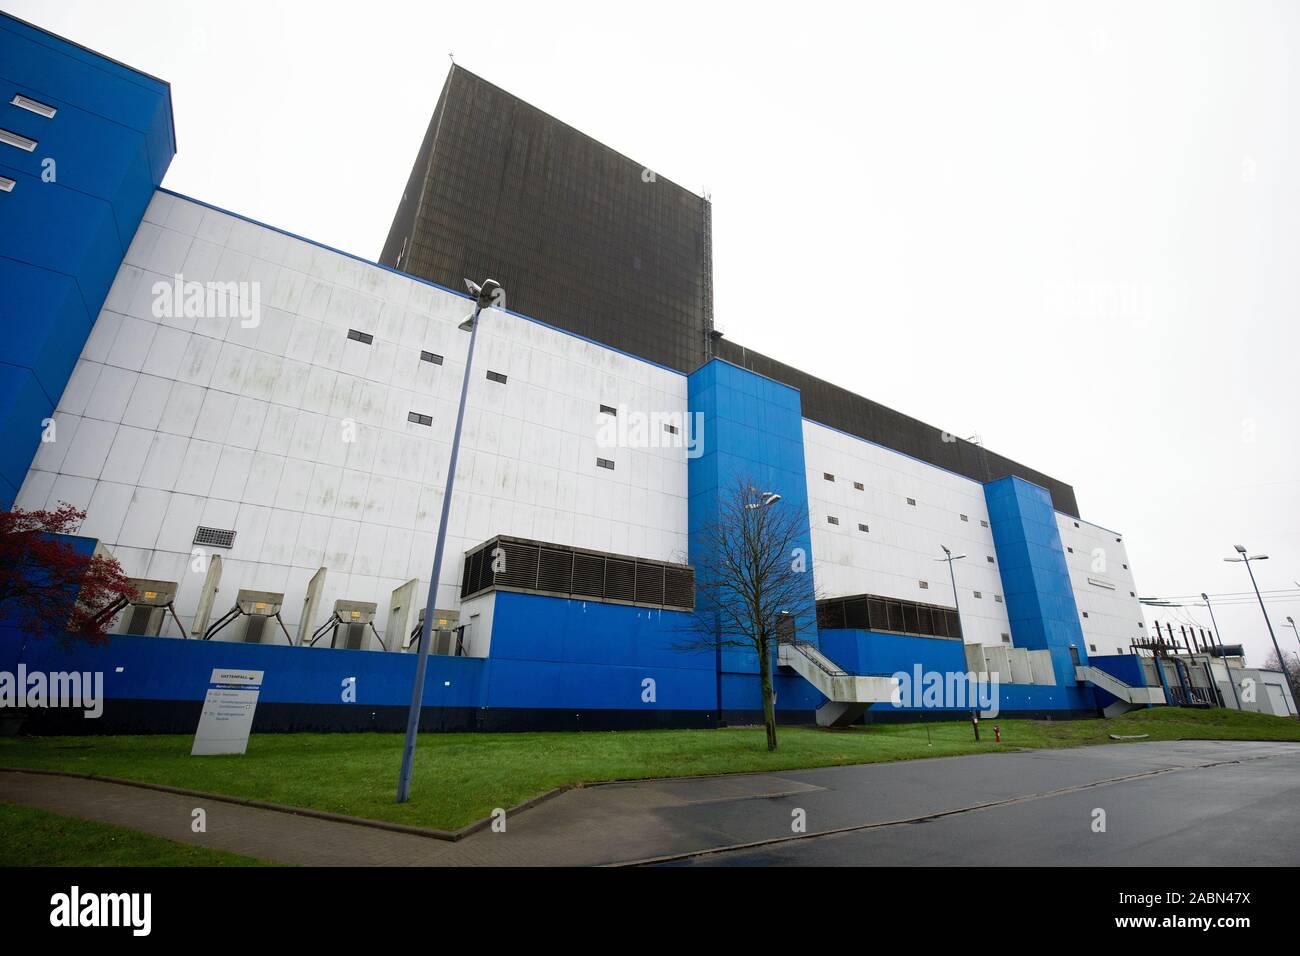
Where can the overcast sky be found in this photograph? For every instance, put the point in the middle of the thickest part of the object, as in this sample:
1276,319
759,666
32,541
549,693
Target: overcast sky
1071,228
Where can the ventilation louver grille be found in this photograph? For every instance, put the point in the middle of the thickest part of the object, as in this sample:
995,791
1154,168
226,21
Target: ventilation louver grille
522,565
555,571
214,537
620,580
588,576
870,612
649,584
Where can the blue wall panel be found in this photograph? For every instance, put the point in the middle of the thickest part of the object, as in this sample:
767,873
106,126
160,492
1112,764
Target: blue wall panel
870,652
62,239
564,653
153,668
1036,581
752,429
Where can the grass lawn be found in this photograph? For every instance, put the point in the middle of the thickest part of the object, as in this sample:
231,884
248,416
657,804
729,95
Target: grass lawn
33,837
463,777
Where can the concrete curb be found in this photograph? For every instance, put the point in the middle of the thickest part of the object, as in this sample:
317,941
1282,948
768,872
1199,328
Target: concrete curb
431,833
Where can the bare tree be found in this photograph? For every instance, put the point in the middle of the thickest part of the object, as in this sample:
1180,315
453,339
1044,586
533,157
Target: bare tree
752,580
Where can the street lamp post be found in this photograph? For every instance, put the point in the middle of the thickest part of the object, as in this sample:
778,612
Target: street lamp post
956,604
485,296
1227,668
1290,620
1246,559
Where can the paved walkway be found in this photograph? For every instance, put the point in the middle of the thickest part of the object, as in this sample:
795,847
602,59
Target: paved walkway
664,818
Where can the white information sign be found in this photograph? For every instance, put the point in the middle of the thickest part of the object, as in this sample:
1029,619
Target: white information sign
228,712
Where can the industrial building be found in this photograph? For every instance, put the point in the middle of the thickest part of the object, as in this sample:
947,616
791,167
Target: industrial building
259,426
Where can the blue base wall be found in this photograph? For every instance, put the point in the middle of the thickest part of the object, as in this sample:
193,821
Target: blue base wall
872,652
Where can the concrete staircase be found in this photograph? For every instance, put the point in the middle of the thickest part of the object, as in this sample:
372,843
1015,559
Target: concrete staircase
847,695
1128,696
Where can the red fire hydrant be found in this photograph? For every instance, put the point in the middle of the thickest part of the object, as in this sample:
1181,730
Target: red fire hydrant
997,733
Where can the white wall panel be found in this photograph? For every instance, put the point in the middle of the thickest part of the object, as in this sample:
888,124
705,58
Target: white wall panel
899,550
297,437
1104,587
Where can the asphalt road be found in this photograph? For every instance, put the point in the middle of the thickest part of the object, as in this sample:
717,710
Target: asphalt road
1225,812
1194,803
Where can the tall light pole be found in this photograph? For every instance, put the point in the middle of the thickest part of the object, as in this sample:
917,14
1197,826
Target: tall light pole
961,633
1245,559
1227,668
485,296
956,603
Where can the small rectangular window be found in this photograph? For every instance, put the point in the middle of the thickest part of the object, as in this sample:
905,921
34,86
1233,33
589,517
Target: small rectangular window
1006,638
989,559
17,141
832,519
828,476
983,523
496,377
604,463
365,338
6,184
925,585
964,518
1071,550
979,594
1093,648
1126,567
997,598
609,410
863,527
34,106
857,486
912,502
670,429
1085,614
419,419
1076,524
431,357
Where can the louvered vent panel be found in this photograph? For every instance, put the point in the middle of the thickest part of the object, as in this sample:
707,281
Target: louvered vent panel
649,584
679,588
588,576
520,566
855,613
620,580
878,614
555,571
466,579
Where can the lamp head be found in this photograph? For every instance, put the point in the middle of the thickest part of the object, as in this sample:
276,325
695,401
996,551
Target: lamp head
1240,548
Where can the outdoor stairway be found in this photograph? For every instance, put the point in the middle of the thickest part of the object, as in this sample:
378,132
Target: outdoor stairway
1129,695
847,695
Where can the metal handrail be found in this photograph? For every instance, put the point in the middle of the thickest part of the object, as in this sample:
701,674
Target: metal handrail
817,658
